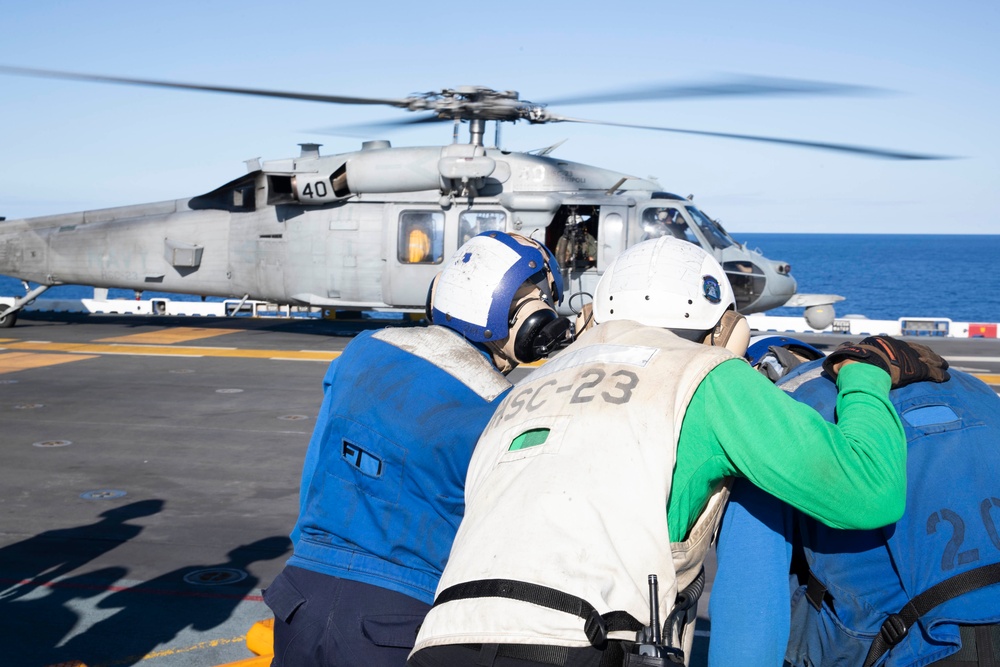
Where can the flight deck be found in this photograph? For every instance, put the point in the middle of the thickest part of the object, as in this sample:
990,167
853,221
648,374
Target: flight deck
149,475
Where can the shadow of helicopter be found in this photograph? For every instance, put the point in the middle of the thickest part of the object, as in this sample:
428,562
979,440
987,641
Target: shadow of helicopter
152,613
37,600
35,624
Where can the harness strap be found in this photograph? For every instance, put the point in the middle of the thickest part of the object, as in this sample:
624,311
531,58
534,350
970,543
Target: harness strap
547,655
980,647
596,626
896,626
816,592
613,656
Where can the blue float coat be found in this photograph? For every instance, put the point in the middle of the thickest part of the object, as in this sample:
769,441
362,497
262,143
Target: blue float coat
383,479
950,526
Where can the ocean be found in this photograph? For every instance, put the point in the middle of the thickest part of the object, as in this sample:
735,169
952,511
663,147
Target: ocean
882,276
888,276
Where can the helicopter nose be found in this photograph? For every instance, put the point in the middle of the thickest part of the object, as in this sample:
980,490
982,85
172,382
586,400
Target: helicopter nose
784,284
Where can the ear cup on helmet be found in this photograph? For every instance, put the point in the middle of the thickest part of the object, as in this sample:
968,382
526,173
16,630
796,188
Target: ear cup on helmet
732,332
532,331
528,334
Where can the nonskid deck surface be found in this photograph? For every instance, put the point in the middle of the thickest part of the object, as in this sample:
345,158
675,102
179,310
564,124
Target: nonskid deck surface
149,474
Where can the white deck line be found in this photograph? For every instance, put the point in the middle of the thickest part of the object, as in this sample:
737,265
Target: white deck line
851,326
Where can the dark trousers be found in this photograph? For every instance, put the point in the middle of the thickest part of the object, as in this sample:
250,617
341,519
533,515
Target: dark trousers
325,621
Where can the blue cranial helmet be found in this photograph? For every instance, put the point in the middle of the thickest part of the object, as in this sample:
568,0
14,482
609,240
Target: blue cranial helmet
477,290
759,345
775,356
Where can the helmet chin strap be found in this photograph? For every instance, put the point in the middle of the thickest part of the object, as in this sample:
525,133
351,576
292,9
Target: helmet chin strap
503,363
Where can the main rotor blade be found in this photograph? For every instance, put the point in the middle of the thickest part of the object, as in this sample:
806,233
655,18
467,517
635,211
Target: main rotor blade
258,92
362,127
739,86
819,145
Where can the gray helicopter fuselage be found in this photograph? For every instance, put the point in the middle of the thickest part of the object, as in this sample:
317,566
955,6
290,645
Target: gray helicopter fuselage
368,230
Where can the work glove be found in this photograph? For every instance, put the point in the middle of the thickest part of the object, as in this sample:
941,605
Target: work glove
905,363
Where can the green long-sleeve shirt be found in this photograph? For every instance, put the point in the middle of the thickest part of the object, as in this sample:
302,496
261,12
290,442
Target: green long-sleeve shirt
848,475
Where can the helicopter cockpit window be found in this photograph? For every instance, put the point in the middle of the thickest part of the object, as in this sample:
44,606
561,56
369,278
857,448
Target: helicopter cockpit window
421,237
471,223
714,232
665,221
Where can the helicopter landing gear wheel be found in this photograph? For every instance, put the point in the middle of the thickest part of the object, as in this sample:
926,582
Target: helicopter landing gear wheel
7,321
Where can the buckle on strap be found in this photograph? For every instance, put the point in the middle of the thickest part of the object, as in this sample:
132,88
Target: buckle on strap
893,629
816,592
596,629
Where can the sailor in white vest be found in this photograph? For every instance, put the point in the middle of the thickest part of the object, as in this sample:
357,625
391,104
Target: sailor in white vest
609,464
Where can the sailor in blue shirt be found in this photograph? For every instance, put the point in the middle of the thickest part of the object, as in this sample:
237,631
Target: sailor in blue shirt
383,479
925,590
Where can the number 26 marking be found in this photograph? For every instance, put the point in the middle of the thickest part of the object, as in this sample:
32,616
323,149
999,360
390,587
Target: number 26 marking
957,537
952,556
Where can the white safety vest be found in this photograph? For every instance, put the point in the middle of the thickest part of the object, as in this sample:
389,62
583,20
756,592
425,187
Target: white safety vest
568,489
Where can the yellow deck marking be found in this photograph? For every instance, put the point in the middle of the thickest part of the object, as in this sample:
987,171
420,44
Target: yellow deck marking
109,346
167,336
164,653
172,350
19,361
989,378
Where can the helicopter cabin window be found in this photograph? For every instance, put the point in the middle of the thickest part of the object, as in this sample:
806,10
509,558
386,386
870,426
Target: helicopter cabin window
471,223
243,198
666,221
421,237
573,234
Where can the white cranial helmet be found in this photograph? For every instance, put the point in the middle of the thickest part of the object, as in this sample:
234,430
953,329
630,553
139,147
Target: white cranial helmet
667,283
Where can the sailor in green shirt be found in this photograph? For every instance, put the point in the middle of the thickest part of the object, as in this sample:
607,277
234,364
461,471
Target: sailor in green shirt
652,408
843,475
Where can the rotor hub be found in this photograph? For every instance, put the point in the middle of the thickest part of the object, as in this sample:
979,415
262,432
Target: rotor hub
476,103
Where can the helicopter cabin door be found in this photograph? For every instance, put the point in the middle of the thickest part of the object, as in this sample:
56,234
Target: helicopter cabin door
611,237
586,236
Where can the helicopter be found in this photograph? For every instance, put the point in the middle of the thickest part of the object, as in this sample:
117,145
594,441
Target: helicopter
369,229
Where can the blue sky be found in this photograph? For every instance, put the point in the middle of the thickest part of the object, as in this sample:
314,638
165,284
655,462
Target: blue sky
67,146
